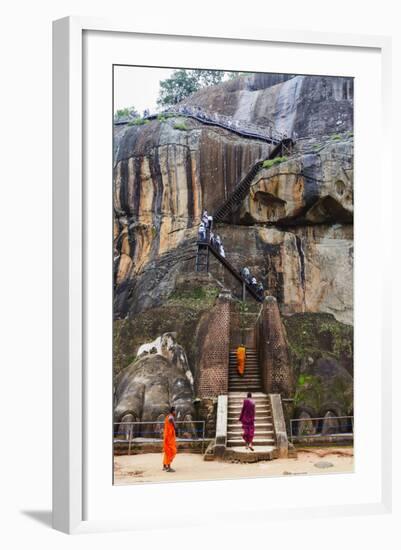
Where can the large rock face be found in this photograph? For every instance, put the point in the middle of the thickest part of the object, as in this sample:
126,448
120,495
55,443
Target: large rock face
167,171
307,105
309,188
164,176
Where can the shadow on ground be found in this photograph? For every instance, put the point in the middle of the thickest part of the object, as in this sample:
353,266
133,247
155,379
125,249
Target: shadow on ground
41,516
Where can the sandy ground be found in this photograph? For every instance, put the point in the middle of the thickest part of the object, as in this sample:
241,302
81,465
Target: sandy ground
192,467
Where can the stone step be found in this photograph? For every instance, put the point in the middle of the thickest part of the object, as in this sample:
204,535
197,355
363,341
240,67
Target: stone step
248,363
234,414
240,399
259,434
247,354
250,372
241,453
243,395
256,442
253,358
257,400
258,425
259,404
248,358
243,381
244,386
248,368
246,376
233,360
233,368
265,413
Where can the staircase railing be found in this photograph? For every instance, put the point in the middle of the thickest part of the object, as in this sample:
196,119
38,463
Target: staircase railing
241,127
202,245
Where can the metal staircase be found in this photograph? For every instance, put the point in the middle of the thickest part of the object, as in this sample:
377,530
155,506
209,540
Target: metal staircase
202,263
234,200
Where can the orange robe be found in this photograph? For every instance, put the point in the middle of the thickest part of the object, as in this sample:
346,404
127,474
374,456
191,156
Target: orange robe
241,359
169,444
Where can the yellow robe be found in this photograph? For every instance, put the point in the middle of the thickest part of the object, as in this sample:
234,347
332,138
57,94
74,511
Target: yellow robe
241,359
169,443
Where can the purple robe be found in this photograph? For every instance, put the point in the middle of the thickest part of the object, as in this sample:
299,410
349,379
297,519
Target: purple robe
247,418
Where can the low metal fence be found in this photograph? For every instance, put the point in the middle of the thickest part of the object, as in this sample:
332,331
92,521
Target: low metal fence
142,433
337,426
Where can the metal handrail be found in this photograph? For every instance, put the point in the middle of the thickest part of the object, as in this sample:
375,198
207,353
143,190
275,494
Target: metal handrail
146,439
243,127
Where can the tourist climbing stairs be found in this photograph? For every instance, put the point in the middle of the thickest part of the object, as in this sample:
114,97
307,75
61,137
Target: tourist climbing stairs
202,265
238,387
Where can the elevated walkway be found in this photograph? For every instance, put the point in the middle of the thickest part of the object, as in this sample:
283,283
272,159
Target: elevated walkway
243,128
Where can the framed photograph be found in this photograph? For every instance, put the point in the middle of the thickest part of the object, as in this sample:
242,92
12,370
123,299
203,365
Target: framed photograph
219,321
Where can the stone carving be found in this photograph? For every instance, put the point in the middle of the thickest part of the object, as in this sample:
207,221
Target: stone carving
157,379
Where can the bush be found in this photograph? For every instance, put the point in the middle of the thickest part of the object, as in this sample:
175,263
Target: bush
138,122
180,126
272,162
336,137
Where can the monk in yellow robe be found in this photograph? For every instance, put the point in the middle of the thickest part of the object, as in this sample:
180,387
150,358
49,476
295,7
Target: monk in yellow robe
241,360
169,443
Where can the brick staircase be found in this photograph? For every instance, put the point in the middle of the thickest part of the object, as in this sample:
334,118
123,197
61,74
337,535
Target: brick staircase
238,387
250,381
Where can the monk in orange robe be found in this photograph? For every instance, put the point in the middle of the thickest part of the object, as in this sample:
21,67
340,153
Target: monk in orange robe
169,444
241,360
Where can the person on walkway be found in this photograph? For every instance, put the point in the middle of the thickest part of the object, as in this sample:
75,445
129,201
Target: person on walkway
213,240
247,419
205,219
246,274
169,441
202,232
241,355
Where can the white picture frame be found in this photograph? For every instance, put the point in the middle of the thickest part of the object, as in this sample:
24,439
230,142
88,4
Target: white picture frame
69,287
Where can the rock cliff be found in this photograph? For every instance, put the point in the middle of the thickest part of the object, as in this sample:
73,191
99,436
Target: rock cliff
294,230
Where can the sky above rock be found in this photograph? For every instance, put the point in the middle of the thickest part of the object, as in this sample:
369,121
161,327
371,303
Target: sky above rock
138,86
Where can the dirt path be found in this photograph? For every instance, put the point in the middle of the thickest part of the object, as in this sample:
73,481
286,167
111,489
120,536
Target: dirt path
192,467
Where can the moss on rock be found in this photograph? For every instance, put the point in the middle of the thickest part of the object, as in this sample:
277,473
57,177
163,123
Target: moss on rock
321,351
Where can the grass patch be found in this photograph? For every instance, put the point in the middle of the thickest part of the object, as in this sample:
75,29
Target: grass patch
138,122
180,126
336,137
196,298
164,117
272,162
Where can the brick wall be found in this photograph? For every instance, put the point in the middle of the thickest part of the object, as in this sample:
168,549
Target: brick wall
277,375
213,366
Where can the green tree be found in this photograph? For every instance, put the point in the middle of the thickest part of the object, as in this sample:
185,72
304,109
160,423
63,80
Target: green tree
181,84
127,112
184,82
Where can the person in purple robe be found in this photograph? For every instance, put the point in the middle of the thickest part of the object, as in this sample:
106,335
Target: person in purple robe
247,419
